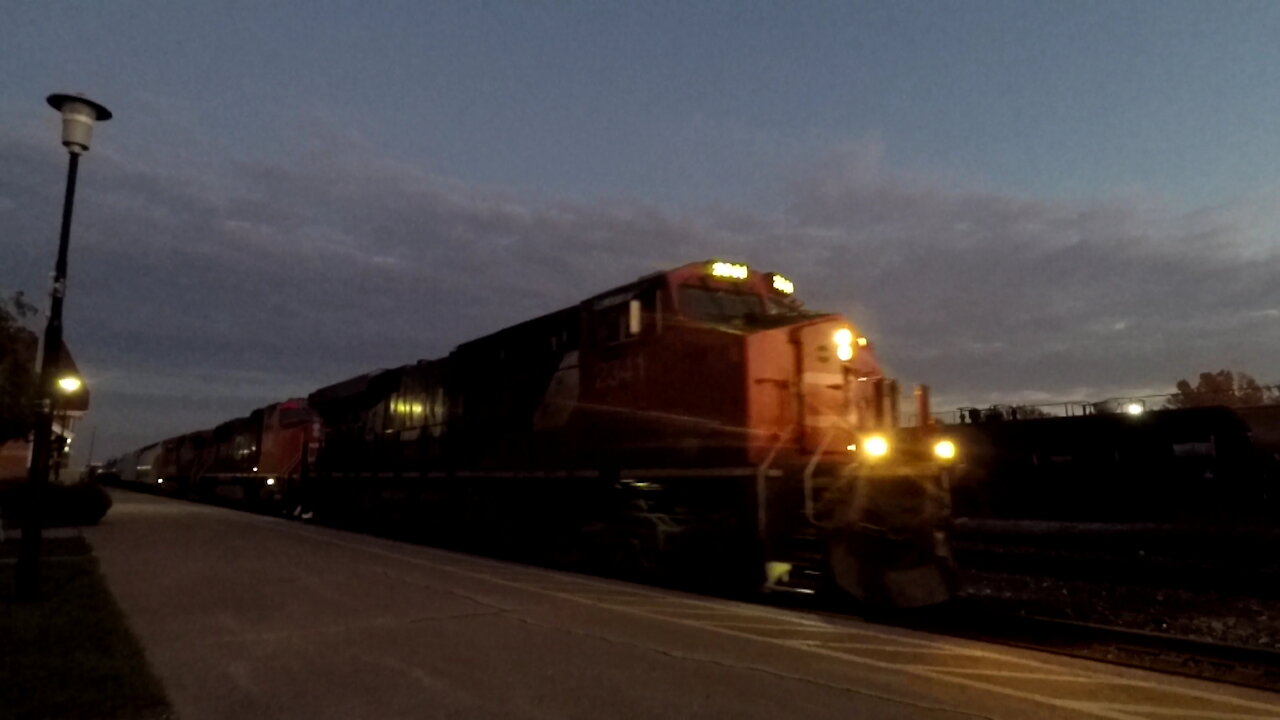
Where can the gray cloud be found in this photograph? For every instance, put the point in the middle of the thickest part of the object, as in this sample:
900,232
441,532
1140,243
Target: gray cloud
203,293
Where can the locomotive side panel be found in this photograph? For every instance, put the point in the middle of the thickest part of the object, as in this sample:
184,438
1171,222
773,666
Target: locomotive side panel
771,391
497,385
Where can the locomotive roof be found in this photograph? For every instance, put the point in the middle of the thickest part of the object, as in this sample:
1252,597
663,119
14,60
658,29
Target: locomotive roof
357,386
542,319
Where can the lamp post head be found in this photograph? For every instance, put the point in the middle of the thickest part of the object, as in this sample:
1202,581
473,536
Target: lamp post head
69,383
78,116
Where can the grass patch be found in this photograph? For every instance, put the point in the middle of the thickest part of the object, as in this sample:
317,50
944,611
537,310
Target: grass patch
71,654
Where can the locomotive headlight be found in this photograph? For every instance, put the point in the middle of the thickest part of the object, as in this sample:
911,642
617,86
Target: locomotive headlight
944,450
844,344
876,446
1134,408
271,481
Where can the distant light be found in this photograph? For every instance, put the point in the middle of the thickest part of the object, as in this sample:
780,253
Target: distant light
69,383
862,342
271,481
1134,408
876,446
255,468
852,447
159,481
783,285
945,449
729,270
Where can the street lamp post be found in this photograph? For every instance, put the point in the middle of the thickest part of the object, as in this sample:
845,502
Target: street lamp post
78,116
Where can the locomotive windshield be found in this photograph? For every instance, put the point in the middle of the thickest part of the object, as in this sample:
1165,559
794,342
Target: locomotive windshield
739,309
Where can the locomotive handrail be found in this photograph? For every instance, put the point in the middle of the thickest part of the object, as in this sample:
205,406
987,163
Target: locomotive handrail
297,461
808,474
762,516
201,472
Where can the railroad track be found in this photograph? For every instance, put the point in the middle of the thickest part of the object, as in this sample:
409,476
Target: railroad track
1207,660
1216,661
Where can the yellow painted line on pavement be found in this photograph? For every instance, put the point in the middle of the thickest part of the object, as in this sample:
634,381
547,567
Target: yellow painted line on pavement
1182,712
1020,675
881,646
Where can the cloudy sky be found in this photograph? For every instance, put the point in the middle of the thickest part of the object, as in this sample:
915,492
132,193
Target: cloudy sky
1018,201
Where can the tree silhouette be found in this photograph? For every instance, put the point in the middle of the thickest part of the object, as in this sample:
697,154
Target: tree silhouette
17,368
1224,387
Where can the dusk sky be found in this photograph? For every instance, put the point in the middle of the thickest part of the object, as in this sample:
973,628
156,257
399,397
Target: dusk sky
1019,202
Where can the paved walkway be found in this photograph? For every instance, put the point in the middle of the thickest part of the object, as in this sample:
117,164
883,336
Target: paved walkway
244,616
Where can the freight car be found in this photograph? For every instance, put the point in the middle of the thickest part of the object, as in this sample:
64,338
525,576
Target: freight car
698,421
1202,465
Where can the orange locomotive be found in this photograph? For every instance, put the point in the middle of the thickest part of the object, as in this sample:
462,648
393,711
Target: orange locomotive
697,422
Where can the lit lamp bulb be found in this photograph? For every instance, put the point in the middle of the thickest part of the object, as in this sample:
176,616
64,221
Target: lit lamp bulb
69,383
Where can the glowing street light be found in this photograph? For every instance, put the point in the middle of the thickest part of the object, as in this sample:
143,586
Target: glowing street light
69,383
78,117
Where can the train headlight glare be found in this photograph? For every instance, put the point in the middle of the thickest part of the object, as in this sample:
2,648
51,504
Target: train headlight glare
876,446
271,481
1134,408
844,344
159,481
944,450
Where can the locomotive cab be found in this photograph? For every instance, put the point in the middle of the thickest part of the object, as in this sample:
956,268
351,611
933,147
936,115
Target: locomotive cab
843,493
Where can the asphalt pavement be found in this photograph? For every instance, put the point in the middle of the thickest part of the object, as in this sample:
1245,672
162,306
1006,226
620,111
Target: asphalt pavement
244,616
